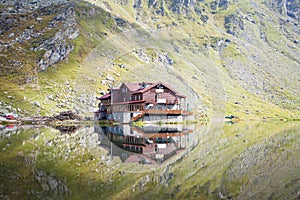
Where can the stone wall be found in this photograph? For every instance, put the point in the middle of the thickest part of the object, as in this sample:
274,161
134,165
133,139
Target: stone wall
124,117
163,118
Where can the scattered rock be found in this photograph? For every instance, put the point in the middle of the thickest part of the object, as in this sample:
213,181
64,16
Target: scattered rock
102,92
233,24
109,78
51,186
39,19
11,35
36,103
67,115
50,97
122,65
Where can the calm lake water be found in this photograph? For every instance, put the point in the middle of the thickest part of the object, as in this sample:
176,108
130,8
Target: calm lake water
199,161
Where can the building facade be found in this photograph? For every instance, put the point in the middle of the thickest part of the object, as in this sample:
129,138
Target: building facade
142,101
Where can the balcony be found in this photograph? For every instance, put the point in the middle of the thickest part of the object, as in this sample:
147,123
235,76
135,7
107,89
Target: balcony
159,91
166,112
161,101
164,101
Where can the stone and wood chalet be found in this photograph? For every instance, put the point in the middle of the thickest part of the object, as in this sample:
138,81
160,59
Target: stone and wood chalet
148,102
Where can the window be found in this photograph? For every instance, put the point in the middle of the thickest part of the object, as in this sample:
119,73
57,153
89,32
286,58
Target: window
124,90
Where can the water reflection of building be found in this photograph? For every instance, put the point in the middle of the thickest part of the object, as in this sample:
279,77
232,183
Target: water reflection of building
7,130
147,144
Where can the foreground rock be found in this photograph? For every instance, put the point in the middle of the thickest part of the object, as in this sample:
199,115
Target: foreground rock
67,115
63,116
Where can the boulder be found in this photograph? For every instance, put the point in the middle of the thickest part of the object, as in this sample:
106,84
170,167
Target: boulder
67,115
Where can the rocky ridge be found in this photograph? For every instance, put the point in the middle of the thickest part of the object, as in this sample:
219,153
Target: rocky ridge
46,30
28,5
58,47
289,8
210,32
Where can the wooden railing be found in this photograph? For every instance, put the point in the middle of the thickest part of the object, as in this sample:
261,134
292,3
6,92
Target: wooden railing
160,112
133,119
167,101
170,112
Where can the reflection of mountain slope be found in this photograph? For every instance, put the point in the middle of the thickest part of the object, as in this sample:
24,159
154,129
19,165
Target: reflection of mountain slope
66,128
277,158
152,144
239,161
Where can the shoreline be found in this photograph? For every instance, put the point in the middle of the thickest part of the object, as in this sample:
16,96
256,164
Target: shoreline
52,121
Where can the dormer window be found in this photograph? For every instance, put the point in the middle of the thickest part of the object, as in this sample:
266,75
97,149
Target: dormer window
159,86
124,90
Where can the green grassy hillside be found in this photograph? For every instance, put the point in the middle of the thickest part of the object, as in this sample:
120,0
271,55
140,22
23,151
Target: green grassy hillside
238,58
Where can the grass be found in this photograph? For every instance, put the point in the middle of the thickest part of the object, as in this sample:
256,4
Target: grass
257,108
231,51
52,81
197,42
203,169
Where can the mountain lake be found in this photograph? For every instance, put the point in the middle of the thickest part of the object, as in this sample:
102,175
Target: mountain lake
213,160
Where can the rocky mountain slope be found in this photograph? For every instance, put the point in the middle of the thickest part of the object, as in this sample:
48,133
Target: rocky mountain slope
229,57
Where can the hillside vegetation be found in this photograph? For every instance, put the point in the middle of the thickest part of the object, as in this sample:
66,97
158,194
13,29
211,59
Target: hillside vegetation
230,58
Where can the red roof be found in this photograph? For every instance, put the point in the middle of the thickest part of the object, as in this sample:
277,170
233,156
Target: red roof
137,88
155,84
130,102
106,96
142,90
132,86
